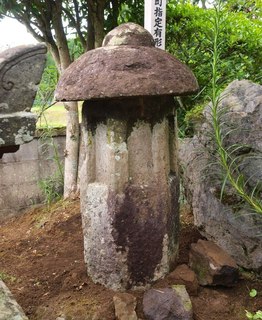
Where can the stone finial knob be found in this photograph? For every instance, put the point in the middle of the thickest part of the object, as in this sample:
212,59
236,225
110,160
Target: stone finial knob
129,34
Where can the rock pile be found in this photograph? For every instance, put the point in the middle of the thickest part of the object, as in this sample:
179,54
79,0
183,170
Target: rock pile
209,266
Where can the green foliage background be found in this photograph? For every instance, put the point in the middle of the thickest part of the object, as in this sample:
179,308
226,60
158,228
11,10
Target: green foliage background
189,38
47,85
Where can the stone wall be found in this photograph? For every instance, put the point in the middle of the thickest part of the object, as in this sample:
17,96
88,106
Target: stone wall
21,172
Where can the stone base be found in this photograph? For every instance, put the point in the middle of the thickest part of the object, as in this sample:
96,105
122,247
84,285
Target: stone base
131,237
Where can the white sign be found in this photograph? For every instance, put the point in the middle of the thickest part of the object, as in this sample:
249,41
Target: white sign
155,21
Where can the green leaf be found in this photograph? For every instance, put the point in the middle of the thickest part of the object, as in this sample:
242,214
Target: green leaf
253,293
249,315
258,315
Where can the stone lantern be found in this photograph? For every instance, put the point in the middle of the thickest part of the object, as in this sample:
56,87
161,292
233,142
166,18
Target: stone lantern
129,175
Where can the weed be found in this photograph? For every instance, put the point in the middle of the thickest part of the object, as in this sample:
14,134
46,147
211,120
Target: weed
51,186
254,316
258,314
7,277
253,293
227,157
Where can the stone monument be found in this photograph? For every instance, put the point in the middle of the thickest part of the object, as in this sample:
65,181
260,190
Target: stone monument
21,69
129,177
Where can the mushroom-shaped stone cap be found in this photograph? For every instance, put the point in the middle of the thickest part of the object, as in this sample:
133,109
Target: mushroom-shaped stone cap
127,65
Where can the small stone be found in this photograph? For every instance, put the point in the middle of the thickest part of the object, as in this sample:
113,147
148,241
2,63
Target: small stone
125,305
167,304
184,275
212,265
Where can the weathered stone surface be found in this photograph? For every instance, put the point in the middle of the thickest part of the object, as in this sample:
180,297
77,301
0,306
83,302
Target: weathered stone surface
125,305
129,34
212,265
17,128
9,308
129,191
20,72
184,275
228,224
128,67
167,304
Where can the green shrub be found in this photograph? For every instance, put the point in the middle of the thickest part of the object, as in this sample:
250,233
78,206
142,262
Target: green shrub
189,38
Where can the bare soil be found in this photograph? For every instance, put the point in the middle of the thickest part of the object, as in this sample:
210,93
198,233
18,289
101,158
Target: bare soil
42,263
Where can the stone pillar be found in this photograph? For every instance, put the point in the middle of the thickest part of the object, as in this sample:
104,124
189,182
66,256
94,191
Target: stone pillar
129,190
129,178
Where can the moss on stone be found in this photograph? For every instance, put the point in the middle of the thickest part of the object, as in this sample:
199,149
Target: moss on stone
180,289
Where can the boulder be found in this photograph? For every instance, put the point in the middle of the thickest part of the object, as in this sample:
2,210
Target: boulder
212,265
229,223
125,305
9,308
184,275
167,304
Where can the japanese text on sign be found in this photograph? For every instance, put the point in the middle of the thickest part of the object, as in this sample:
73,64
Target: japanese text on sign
155,20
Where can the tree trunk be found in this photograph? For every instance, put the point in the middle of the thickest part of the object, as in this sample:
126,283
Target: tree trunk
96,12
72,150
90,31
99,24
115,12
72,126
